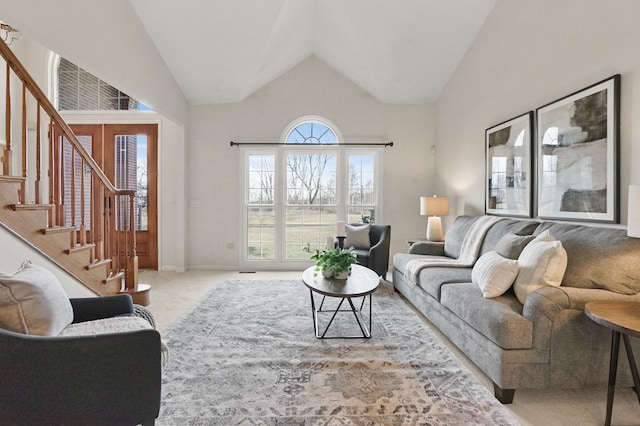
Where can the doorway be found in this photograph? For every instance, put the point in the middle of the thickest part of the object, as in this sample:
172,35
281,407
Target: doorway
127,154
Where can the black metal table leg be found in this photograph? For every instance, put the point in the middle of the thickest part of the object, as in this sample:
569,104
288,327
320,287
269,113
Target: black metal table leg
613,369
355,313
632,365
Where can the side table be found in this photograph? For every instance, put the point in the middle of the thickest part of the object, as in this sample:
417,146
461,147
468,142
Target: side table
623,318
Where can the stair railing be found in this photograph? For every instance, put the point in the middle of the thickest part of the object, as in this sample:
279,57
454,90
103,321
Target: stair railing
80,195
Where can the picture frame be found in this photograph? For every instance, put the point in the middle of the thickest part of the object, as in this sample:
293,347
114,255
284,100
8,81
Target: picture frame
577,154
508,176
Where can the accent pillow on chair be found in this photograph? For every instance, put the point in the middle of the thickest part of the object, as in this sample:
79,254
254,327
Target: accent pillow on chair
32,301
358,237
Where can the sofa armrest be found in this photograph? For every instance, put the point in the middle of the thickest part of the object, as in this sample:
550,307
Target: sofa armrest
74,380
553,299
552,306
93,308
431,248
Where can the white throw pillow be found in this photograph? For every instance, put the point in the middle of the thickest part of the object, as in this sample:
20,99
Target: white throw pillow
542,263
357,236
32,301
494,274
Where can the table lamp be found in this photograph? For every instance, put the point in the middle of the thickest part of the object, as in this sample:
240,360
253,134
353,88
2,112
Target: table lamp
434,207
633,217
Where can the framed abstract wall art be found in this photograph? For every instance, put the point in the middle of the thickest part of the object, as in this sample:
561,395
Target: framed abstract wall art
577,150
508,179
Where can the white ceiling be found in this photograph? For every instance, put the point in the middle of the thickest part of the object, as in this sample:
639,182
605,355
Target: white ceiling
399,51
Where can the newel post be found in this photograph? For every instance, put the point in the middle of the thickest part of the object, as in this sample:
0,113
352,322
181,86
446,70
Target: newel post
6,162
131,277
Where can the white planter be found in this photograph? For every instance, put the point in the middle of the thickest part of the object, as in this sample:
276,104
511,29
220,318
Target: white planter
328,274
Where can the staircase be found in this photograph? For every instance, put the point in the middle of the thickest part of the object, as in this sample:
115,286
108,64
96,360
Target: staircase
86,225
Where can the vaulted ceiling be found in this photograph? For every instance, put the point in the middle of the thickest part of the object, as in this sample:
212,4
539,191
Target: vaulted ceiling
400,51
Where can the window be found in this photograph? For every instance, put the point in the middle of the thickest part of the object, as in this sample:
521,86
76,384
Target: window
80,90
260,208
296,193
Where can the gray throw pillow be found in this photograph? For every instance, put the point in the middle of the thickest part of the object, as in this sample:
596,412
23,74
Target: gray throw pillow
357,237
511,245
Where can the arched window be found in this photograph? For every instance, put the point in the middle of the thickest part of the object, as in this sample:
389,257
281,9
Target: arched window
297,193
310,133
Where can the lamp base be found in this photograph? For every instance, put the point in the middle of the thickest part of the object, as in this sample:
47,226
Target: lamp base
434,229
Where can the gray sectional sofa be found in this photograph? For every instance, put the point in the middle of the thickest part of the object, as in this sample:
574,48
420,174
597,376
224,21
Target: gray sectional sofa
546,342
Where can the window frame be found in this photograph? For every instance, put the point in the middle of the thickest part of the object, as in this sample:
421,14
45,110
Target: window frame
280,152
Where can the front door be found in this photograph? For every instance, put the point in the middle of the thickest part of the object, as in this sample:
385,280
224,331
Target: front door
128,156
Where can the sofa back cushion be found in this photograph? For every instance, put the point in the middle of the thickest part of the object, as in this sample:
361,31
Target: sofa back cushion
455,235
603,258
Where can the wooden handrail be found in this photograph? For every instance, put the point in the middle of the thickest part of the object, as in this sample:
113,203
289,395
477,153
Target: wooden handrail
47,106
110,235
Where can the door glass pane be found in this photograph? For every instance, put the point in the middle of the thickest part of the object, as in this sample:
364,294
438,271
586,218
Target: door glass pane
76,187
131,173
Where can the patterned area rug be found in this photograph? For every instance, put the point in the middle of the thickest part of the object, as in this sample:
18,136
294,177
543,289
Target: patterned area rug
247,355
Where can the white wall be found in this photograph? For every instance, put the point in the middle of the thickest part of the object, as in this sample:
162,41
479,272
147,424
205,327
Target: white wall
530,53
19,251
109,41
311,88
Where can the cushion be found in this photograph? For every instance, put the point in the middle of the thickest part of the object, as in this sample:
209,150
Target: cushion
504,227
542,263
511,245
32,301
358,236
455,235
106,326
598,257
499,319
494,274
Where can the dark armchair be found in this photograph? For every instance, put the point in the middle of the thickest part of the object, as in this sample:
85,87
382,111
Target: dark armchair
376,257
103,379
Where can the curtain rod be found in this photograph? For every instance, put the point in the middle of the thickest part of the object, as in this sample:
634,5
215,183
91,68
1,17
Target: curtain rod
232,143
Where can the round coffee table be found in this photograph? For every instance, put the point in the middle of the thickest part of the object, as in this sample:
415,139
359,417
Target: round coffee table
362,282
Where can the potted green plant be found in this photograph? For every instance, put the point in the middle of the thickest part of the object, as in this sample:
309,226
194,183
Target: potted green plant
334,262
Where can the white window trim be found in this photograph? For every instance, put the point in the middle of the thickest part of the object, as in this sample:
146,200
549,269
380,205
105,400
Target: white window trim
280,152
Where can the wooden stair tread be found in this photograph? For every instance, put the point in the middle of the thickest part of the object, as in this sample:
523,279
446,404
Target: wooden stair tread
12,179
58,229
31,206
98,263
80,248
112,277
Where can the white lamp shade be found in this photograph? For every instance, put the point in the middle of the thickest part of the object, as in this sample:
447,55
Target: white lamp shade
633,217
434,206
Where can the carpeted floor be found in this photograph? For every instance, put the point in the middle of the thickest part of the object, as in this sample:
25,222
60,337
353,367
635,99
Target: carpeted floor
246,354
